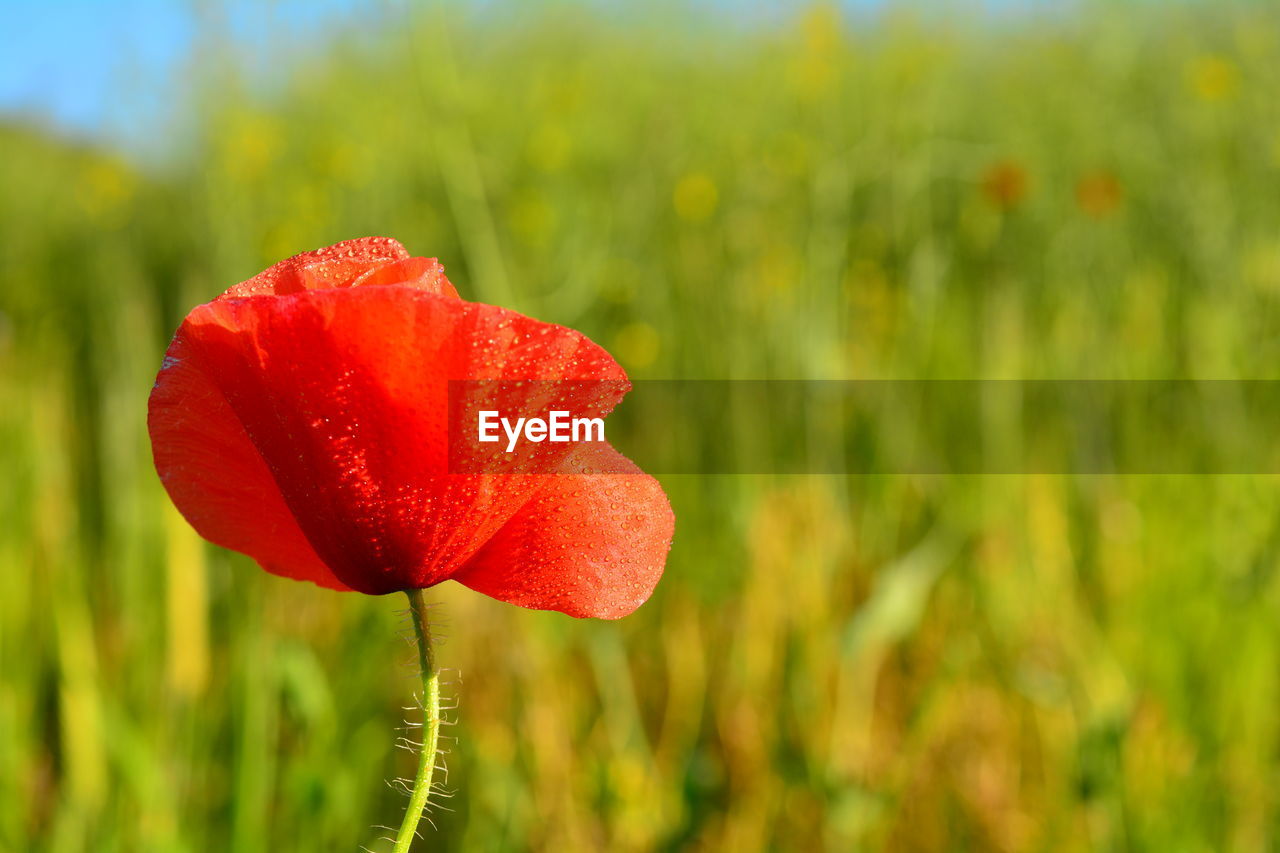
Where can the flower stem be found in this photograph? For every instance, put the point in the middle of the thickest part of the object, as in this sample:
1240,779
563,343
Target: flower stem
430,723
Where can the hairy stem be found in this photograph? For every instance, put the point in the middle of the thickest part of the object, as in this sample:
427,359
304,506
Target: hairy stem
430,723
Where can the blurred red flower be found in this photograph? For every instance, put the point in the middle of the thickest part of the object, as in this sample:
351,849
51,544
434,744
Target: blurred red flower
301,418
1005,184
1099,194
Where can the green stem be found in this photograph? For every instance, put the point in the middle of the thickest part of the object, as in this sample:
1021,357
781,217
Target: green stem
430,723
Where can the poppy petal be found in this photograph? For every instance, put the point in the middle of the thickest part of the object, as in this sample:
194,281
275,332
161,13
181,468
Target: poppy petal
333,266
423,273
344,394
216,477
589,545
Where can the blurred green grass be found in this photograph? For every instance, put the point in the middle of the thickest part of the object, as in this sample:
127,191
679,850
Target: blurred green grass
998,663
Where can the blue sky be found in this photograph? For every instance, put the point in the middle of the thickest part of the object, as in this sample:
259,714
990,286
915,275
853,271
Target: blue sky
108,68
65,61
99,68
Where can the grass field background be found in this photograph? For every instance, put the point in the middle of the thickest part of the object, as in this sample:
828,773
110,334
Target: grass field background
998,663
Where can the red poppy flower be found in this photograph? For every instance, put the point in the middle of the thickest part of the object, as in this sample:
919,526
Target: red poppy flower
1099,194
1005,184
301,418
